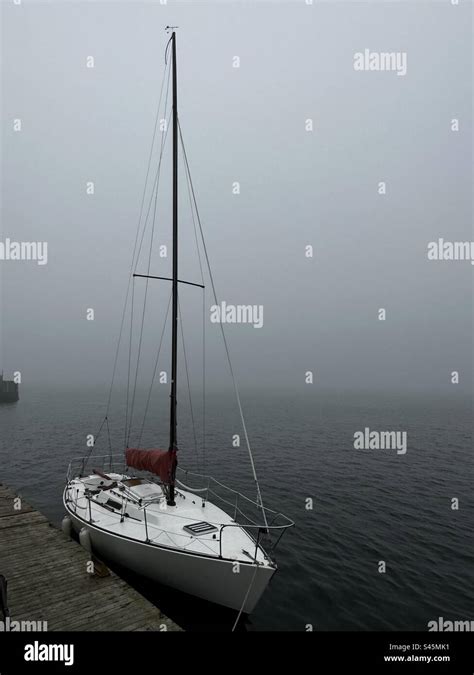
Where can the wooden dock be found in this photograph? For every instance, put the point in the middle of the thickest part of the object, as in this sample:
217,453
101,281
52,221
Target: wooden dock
47,578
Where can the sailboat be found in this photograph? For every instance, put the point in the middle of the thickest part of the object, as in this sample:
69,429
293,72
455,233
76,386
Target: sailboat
136,509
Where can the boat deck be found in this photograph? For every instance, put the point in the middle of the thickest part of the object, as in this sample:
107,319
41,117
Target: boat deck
47,578
165,524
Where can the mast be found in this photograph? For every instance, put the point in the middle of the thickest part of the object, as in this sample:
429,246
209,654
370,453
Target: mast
174,334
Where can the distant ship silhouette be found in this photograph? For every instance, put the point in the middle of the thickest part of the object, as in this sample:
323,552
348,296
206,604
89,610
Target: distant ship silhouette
8,391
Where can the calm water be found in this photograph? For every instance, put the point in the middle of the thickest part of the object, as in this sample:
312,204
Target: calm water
367,505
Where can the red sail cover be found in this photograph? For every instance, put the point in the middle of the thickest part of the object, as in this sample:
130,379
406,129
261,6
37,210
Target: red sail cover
160,462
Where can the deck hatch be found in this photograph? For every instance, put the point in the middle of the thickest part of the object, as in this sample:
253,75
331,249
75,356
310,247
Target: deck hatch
198,529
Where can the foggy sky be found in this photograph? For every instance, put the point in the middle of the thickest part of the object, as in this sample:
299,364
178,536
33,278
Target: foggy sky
244,124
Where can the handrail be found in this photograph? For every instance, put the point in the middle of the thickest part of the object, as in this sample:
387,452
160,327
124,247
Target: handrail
179,469
117,463
259,529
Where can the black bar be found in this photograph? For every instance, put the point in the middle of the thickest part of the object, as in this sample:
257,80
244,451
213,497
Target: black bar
356,651
180,281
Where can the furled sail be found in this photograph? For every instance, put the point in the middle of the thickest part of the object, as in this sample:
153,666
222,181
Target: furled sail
160,462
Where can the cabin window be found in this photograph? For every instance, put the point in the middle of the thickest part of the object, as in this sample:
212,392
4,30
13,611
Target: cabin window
114,504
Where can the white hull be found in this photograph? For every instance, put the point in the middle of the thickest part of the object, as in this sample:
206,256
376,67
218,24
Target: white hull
207,577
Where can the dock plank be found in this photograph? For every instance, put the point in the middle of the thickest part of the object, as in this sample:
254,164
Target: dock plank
48,580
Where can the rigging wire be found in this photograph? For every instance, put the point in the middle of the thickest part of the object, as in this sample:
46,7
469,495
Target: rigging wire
245,599
158,171
96,438
108,435
129,362
155,183
154,372
143,318
204,461
155,193
203,323
236,390
138,230
189,386
127,293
